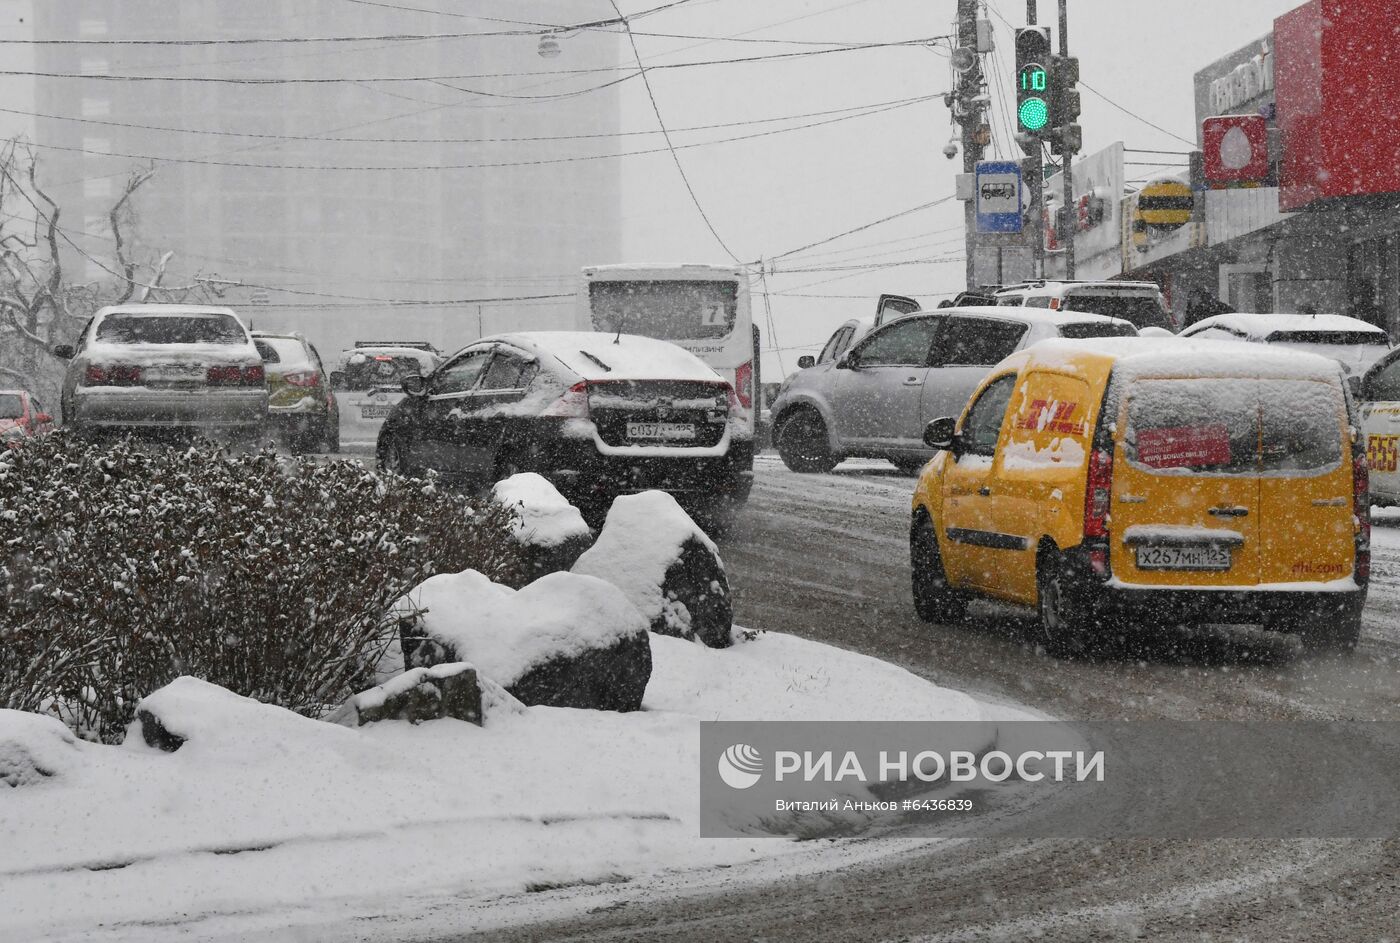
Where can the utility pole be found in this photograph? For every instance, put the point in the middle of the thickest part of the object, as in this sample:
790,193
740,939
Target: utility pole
967,111
1067,223
1035,183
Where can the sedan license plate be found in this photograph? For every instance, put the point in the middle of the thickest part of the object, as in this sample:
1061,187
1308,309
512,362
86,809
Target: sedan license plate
375,412
1183,558
661,431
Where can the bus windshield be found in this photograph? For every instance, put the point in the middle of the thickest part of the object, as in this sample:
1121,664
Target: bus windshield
667,310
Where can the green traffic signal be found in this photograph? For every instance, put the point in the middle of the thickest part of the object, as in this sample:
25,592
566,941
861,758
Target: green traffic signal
1033,114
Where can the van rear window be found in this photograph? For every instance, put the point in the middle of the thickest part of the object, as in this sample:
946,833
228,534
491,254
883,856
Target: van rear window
1097,329
1234,426
1141,310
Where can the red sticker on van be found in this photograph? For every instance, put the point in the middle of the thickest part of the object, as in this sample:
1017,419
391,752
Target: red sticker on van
1184,446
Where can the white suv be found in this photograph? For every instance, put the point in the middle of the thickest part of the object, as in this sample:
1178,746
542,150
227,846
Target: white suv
1139,302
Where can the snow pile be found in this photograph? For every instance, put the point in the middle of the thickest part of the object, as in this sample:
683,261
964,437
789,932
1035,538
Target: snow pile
33,748
643,538
267,822
545,517
505,632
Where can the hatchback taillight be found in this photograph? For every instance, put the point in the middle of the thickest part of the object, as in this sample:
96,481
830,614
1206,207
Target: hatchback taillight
1361,510
307,379
112,375
1097,494
572,405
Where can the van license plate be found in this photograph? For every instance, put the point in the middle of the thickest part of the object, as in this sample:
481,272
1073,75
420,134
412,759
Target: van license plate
1183,558
661,431
375,412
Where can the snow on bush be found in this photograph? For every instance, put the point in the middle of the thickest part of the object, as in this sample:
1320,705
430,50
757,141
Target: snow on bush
127,565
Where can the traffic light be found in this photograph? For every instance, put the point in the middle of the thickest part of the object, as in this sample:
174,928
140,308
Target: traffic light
1033,86
1064,97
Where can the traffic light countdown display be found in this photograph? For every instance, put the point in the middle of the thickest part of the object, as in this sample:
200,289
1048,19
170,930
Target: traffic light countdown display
1033,91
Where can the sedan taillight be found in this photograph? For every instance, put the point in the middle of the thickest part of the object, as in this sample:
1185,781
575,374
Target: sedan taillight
572,405
112,375
234,375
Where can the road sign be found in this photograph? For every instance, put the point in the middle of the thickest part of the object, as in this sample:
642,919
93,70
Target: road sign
998,196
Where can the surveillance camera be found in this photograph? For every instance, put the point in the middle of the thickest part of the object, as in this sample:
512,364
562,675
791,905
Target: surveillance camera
950,150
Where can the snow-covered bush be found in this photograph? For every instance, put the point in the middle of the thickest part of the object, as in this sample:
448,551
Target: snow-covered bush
125,566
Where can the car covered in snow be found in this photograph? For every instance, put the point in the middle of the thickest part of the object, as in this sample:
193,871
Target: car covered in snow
1138,302
164,367
302,409
368,384
874,399
1352,342
598,414
21,416
1129,479
1380,419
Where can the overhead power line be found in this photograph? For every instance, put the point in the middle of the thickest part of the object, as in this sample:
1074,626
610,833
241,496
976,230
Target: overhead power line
1133,114
862,228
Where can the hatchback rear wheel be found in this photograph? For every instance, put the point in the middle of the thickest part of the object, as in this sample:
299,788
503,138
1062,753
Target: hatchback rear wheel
803,444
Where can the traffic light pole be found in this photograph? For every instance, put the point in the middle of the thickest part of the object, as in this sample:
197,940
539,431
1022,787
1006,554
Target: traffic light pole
968,113
1067,225
1035,184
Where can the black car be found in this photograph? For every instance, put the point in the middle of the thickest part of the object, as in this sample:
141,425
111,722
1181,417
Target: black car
598,414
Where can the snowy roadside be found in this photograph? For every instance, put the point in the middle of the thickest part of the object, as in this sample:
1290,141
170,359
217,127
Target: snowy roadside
288,822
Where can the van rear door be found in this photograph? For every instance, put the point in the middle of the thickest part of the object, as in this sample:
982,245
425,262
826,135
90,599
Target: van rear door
1185,503
1305,485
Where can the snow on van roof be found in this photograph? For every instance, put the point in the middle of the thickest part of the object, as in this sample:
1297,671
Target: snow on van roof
1030,315
606,356
1258,327
1187,358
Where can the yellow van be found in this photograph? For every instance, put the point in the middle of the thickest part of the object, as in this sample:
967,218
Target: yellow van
1131,478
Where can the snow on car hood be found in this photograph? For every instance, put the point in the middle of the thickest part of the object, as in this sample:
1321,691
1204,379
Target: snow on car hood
607,356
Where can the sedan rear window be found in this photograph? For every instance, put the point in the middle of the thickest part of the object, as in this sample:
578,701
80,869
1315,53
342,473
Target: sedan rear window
1234,426
170,329
1085,329
11,406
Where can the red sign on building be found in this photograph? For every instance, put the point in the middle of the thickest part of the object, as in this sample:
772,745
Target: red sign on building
1236,150
1336,71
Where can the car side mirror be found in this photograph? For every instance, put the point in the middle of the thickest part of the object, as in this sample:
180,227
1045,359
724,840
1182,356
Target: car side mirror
805,361
338,379
942,434
414,385
63,351
42,418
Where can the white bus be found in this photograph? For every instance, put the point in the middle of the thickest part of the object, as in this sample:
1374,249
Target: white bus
703,308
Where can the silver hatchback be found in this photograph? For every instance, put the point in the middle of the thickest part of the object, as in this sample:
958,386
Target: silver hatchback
164,366
875,399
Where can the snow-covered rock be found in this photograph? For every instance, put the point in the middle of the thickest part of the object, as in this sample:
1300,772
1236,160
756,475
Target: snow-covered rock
550,528
33,748
564,640
671,571
448,690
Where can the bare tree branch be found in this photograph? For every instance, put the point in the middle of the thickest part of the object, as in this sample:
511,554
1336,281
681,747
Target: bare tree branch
127,266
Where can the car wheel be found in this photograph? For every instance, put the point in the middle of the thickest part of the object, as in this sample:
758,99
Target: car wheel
1064,626
1328,632
934,600
803,444
393,458
330,436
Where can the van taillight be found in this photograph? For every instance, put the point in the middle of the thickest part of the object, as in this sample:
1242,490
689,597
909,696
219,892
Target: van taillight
1097,493
1361,509
743,384
115,375
572,405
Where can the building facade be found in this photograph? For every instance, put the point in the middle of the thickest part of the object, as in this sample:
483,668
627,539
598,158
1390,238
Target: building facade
387,188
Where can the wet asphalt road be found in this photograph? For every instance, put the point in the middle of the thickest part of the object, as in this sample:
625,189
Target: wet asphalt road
825,557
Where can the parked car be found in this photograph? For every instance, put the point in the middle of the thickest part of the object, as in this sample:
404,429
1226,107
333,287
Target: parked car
1138,302
597,414
301,408
1380,422
164,366
874,399
22,416
369,383
1129,478
1353,342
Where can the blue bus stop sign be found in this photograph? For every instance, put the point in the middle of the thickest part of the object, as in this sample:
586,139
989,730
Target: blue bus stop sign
998,196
